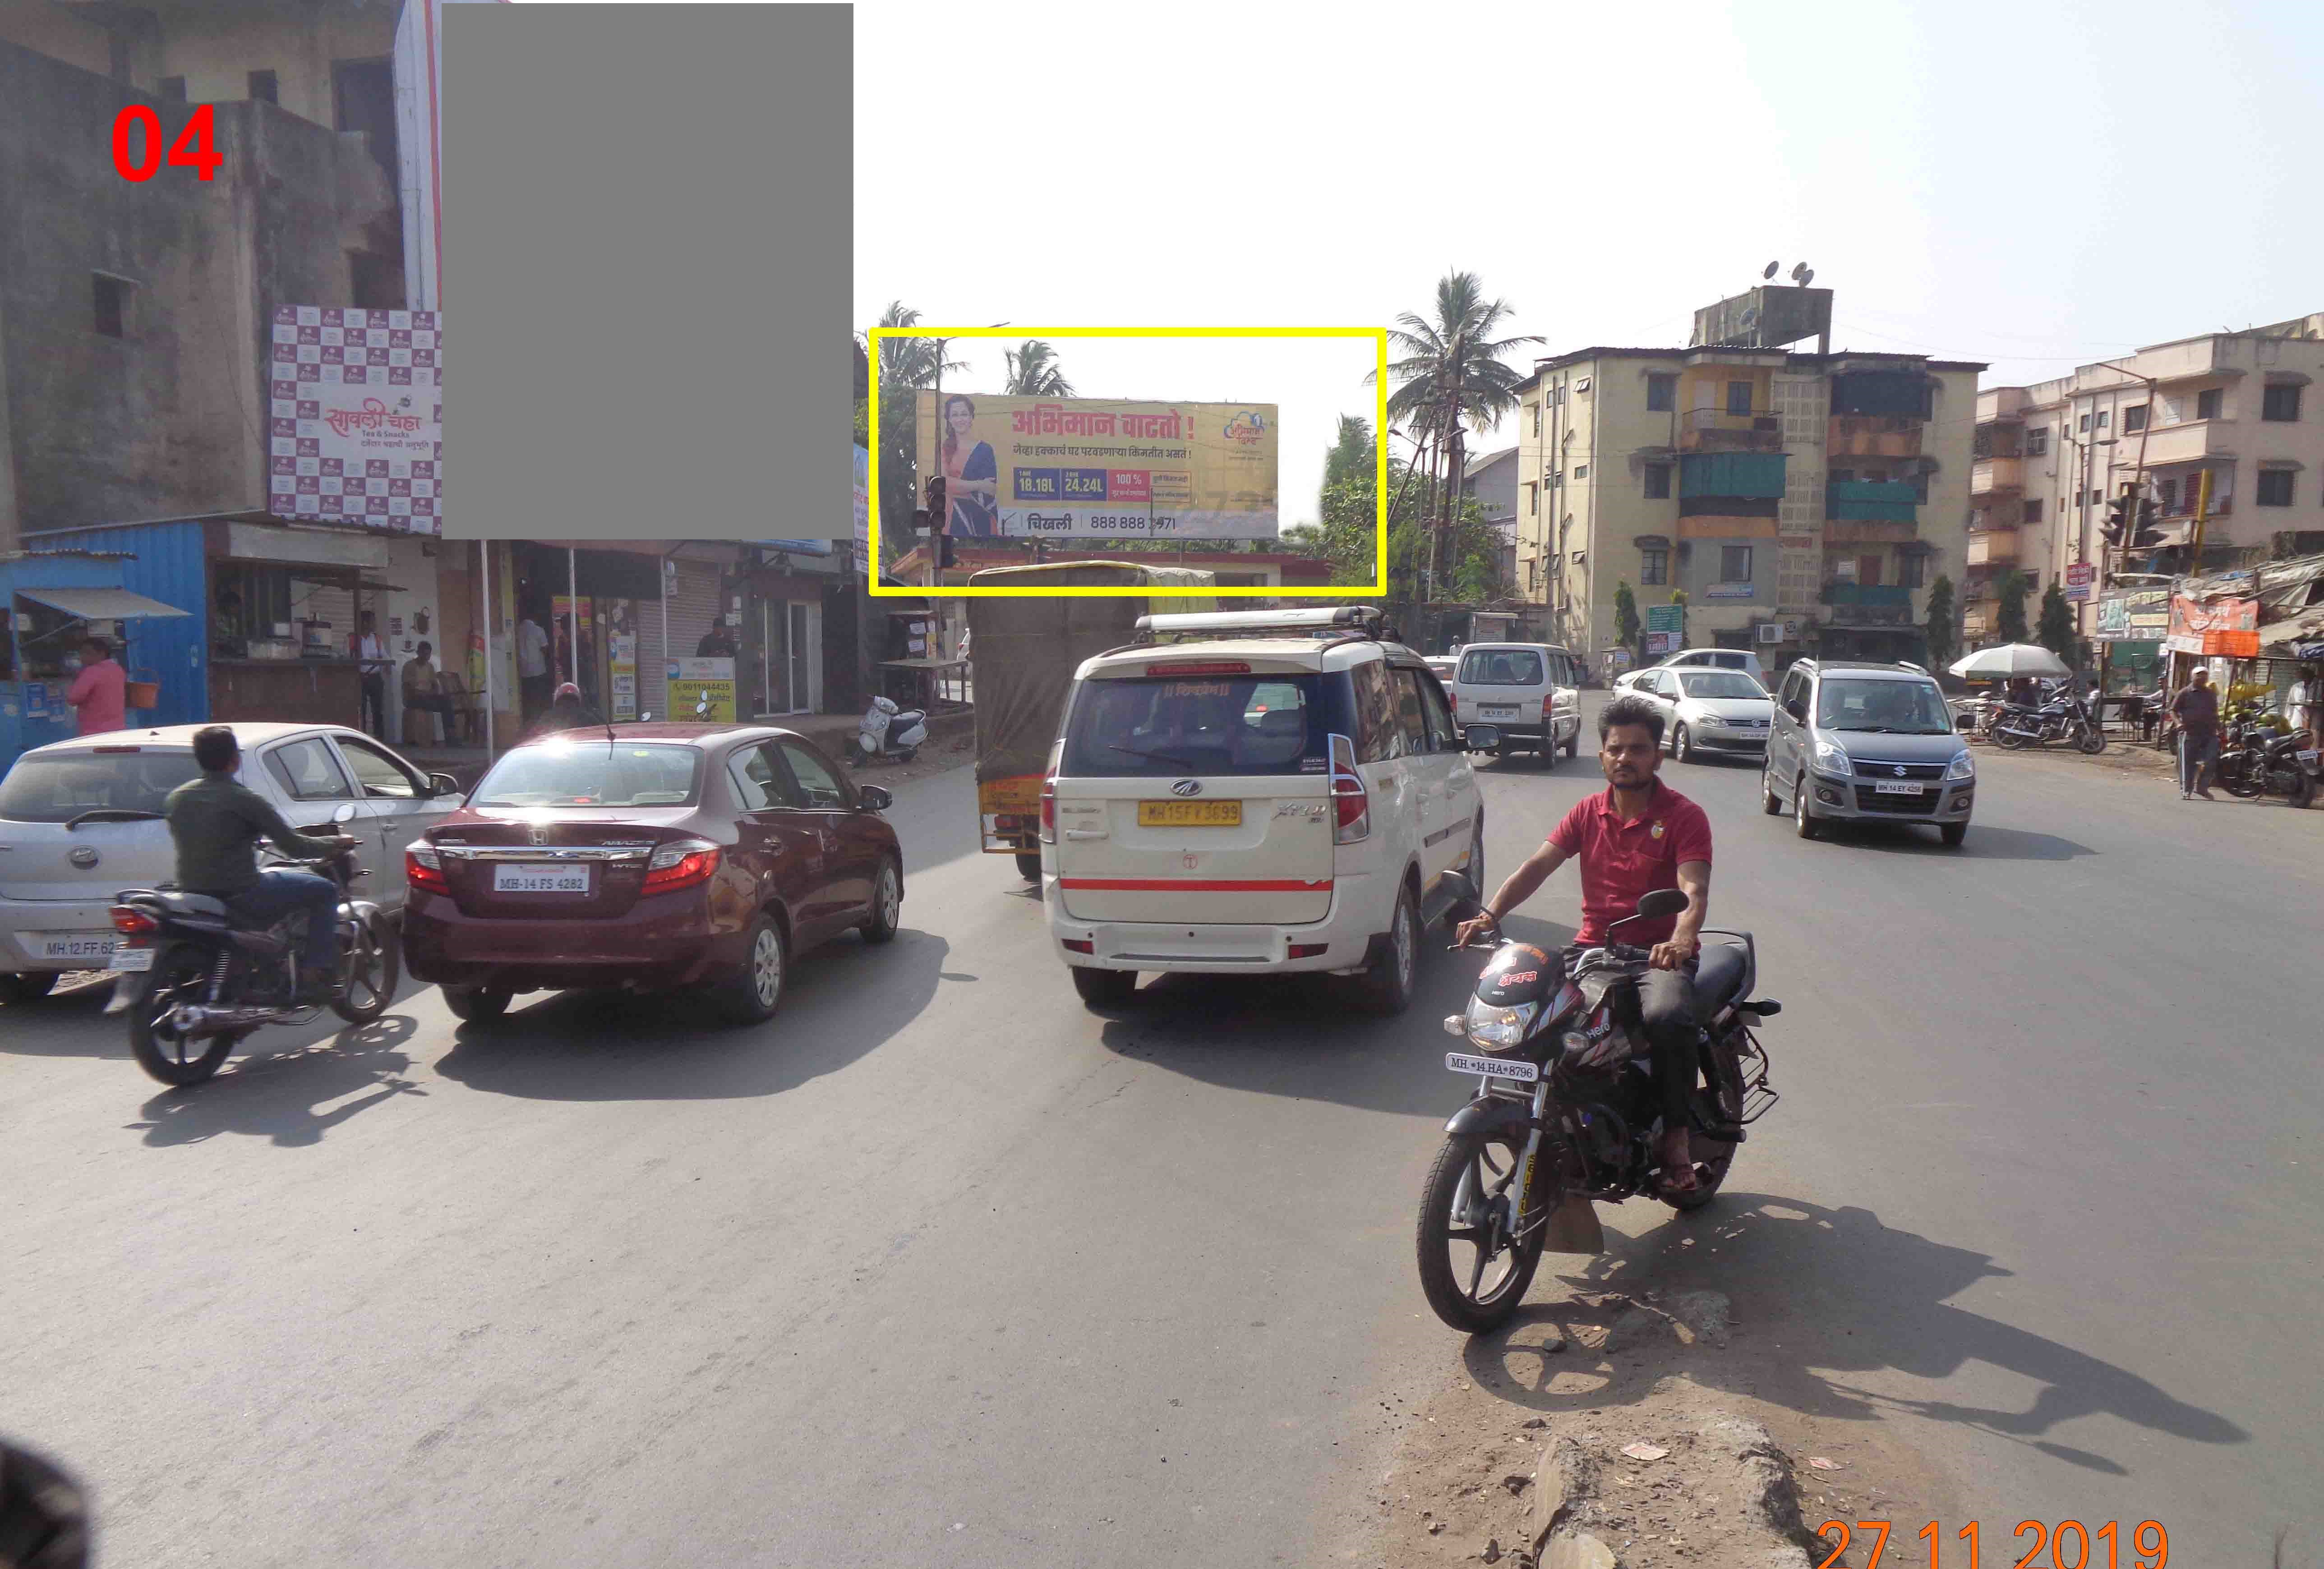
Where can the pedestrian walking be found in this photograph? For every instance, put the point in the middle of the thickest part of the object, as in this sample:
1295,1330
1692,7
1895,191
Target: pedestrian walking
2307,705
98,693
2197,710
365,646
531,665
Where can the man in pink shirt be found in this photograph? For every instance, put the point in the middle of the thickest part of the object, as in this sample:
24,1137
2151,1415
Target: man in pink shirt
99,690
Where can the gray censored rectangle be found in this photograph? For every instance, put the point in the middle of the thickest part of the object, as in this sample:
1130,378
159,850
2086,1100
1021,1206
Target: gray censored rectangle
648,241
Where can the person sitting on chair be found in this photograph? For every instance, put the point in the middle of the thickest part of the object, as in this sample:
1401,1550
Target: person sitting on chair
423,688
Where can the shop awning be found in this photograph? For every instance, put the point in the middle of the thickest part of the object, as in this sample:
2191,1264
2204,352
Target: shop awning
2293,631
100,604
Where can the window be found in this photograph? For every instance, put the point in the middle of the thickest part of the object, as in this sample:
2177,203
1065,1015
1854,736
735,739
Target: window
1444,735
2133,419
112,299
2275,484
2037,442
2085,424
1411,717
382,778
263,87
173,89
2208,402
2034,510
2279,403
1653,567
374,282
562,773
1659,478
1661,393
1501,667
1142,728
1581,470
308,772
1739,397
1534,409
1843,476
2104,415
1911,570
1734,563
819,788
1868,571
1532,498
756,786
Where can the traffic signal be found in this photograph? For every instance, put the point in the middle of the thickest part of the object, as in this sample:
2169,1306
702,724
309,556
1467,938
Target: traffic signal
937,511
2117,527
2150,513
944,552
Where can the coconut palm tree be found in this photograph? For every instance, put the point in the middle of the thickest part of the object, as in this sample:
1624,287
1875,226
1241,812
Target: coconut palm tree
1033,373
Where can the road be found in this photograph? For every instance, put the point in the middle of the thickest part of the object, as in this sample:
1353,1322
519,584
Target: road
942,1268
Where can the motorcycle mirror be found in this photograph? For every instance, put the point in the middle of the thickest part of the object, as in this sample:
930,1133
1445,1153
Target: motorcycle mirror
1660,902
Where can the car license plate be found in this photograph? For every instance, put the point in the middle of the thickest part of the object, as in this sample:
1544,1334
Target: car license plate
1496,1067
538,877
1499,713
93,946
1884,788
1190,814
131,958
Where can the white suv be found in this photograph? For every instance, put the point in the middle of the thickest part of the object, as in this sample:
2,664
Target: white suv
1290,799
1528,692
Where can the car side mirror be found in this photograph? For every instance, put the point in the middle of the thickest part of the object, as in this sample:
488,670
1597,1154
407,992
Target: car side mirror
873,798
1797,710
1468,903
346,813
1480,737
444,784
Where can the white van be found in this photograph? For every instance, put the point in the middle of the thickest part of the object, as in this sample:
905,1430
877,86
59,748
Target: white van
1528,692
1287,800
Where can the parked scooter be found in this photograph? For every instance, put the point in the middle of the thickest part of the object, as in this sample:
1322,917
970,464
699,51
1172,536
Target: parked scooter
2063,717
889,732
195,980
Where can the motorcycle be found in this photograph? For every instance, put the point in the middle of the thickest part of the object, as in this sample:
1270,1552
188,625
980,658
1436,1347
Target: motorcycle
2260,760
2059,718
889,731
195,981
1566,1113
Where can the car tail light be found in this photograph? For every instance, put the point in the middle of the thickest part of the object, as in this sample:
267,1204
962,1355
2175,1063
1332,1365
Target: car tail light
680,864
1049,795
131,923
1353,802
424,869
1305,950
1455,698
1079,945
1200,667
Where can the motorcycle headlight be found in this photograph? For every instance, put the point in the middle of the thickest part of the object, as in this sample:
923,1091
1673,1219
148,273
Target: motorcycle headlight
1964,767
1831,759
1492,1026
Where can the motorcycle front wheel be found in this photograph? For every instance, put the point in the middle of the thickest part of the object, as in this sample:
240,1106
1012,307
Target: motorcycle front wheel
1472,1274
2092,741
2239,779
180,972
368,975
2015,739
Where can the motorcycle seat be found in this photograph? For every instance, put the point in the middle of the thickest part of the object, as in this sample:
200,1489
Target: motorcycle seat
1721,977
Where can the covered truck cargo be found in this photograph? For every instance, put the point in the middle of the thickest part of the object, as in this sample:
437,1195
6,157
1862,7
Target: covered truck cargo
1024,653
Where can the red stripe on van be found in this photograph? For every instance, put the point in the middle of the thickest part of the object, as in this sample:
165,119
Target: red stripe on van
1190,886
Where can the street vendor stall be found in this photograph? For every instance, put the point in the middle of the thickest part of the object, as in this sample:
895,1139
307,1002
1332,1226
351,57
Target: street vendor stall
52,601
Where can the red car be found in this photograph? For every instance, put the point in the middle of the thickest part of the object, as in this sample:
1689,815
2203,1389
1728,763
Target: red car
651,858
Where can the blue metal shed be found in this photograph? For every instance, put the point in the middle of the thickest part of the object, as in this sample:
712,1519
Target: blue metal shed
59,589
162,561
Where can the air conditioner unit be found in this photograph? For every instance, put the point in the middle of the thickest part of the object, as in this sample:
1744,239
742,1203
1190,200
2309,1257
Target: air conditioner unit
1771,632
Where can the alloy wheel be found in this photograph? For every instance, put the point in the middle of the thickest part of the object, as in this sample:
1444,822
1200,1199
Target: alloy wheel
767,967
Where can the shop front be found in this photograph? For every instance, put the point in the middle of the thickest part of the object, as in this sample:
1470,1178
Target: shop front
50,603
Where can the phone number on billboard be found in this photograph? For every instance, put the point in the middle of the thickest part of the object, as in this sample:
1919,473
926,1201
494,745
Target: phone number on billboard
1131,523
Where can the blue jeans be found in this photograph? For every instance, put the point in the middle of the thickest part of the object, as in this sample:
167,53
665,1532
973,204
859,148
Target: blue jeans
2197,756
282,890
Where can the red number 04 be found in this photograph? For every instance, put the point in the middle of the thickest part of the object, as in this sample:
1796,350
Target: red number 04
192,149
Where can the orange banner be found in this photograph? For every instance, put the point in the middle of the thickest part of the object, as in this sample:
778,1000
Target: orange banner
2226,628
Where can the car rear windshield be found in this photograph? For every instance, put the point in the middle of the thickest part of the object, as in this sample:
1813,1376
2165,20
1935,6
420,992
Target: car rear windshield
594,773
1720,684
61,785
1170,726
1501,667
1905,708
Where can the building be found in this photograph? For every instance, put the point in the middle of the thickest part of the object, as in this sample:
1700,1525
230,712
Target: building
1492,481
2240,407
1803,502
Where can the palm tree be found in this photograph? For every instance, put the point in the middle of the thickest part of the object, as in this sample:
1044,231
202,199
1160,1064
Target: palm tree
911,361
1451,375
1033,373
906,365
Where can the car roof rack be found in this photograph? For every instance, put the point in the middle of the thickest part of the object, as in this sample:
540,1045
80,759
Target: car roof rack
1341,623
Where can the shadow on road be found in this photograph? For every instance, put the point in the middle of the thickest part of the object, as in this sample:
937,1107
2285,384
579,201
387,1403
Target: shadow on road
1302,1036
847,999
1820,1295
276,1095
1983,843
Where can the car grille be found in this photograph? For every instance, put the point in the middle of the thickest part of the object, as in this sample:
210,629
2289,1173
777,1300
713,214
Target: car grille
1868,769
1922,804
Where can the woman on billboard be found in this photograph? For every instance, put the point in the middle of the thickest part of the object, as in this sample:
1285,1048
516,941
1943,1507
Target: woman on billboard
972,477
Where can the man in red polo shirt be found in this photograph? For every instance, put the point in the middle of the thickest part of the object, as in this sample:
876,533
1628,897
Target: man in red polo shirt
1638,836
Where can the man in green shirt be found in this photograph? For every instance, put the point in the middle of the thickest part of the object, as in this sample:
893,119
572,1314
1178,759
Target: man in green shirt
218,823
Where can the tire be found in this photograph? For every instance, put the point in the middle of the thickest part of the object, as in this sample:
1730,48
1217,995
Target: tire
756,991
372,972
2303,791
476,1005
1028,866
1770,802
163,1053
887,905
1573,746
1952,833
907,754
1727,1101
1468,1304
1682,745
2240,783
28,987
1385,989
2093,742
1475,869
2011,740
1803,823
1103,988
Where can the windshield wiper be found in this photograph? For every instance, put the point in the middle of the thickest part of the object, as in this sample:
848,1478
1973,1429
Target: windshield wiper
112,814
1154,757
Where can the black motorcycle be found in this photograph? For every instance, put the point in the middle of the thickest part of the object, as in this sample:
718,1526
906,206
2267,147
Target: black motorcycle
195,979
2064,718
2256,761
1567,1109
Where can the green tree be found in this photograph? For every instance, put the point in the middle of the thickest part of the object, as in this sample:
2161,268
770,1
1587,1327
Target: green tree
1943,626
1033,373
2056,631
1626,631
1347,535
906,366
2009,621
1352,450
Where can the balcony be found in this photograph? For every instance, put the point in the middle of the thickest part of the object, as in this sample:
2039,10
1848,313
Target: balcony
2189,442
1871,436
1716,430
1871,501
1992,547
1849,604
1997,475
1871,531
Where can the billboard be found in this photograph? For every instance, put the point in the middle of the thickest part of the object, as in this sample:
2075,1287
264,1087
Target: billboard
2133,615
354,416
1093,469
2213,628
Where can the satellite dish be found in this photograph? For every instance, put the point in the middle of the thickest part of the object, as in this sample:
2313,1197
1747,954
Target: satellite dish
1770,273
1799,270
1807,278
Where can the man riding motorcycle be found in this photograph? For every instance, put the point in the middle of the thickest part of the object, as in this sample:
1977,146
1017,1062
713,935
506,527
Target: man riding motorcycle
216,822
1638,836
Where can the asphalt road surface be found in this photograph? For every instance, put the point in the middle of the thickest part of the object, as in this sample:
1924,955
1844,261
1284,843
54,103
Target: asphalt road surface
941,1269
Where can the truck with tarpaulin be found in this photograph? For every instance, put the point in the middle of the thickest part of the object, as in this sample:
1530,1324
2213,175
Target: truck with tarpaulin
1024,651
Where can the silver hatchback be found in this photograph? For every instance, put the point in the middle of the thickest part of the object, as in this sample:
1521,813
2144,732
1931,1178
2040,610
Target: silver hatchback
1875,743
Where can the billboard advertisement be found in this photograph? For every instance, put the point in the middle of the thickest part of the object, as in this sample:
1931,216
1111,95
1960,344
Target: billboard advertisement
1092,469
2217,628
354,416
2133,615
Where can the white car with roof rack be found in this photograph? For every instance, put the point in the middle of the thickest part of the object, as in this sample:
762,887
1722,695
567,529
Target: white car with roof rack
1256,792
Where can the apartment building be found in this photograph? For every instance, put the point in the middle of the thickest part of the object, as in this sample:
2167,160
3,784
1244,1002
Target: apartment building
1803,502
2240,407
1492,481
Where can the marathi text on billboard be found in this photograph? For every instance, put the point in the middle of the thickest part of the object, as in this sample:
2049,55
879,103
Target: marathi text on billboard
2134,616
355,418
1086,467
2214,627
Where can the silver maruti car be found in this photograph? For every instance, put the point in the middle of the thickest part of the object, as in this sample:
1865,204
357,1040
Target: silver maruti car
1873,743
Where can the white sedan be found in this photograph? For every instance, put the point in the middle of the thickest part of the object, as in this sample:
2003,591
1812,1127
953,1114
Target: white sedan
1708,710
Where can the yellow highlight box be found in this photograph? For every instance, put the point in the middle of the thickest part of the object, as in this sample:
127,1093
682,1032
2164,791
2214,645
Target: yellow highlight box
1376,588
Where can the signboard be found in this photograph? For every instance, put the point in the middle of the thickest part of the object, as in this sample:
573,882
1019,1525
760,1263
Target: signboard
2133,615
2218,627
622,665
1668,619
864,510
692,681
1726,590
1084,468
2079,575
1662,642
354,418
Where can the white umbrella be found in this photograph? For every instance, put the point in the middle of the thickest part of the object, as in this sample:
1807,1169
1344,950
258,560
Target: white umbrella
2009,661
